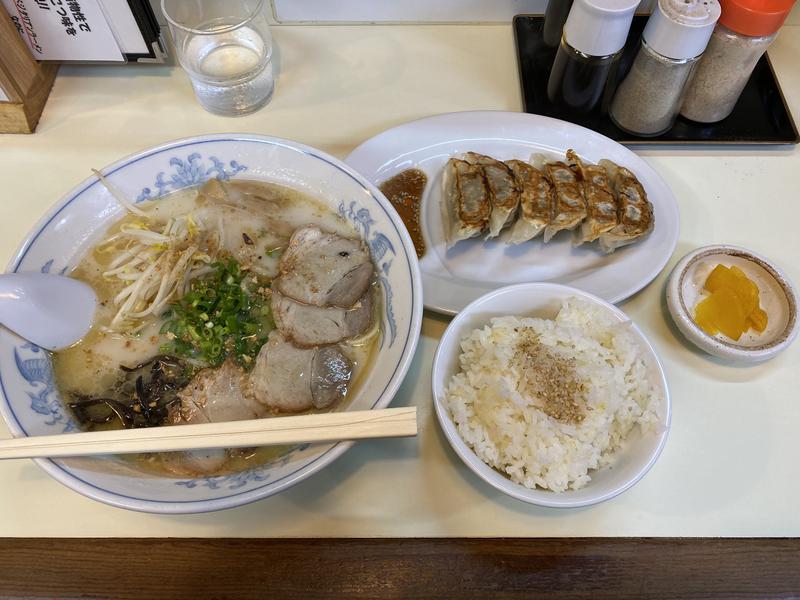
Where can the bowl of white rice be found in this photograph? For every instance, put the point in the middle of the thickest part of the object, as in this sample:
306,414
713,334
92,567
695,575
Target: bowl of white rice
551,395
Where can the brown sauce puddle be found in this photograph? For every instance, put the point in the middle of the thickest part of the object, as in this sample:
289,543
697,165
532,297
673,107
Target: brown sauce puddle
404,191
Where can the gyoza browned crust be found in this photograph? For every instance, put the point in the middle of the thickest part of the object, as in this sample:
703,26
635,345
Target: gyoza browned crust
601,204
535,202
634,210
465,203
503,191
569,208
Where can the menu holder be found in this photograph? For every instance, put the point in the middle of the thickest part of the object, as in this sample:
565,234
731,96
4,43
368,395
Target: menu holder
37,35
761,115
24,83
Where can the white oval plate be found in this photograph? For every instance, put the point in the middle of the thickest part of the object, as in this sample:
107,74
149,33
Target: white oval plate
30,402
452,279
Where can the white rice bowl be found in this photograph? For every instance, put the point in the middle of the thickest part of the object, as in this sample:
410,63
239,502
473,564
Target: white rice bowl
509,431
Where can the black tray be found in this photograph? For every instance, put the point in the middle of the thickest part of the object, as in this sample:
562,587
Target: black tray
761,115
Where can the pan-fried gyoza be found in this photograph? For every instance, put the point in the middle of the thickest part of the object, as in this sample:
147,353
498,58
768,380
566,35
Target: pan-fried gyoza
465,201
569,207
597,202
601,205
634,211
503,191
535,201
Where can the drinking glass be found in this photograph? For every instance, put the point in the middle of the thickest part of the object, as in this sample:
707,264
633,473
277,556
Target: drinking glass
226,49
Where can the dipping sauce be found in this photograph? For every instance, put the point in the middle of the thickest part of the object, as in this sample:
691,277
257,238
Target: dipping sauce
733,306
404,191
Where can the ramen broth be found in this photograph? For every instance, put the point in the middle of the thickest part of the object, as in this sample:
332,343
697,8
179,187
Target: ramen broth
92,367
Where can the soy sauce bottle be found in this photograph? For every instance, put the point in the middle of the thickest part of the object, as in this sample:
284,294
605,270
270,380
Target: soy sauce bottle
587,58
554,18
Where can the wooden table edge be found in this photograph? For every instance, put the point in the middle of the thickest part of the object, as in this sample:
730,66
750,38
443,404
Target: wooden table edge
620,568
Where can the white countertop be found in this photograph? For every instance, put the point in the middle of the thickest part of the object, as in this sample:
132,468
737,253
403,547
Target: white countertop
729,467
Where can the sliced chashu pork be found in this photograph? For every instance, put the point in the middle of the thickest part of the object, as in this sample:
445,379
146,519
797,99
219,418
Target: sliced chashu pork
309,325
195,463
324,269
246,225
216,395
246,206
292,379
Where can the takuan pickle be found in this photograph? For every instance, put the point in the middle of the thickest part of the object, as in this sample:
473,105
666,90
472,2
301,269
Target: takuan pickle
733,307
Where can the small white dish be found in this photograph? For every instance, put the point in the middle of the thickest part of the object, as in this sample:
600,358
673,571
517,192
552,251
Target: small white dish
778,297
453,278
632,461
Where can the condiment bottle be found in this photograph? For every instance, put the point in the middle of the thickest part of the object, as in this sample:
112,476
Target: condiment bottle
555,15
744,32
594,35
649,98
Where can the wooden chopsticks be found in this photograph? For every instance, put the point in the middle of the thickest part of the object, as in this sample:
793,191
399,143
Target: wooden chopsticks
325,427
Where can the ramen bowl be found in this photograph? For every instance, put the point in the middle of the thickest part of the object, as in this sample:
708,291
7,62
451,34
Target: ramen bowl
30,402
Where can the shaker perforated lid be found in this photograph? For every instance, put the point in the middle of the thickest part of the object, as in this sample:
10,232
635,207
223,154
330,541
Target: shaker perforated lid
681,28
599,27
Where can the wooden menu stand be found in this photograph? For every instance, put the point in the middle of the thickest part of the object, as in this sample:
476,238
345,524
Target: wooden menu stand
23,80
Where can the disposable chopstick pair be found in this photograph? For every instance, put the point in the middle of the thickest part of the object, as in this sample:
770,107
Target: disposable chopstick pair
324,427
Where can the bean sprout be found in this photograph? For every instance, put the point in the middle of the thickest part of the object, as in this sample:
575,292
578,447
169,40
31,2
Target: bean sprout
156,261
118,195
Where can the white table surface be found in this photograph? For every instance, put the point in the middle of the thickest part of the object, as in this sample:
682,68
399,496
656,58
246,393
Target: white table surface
729,467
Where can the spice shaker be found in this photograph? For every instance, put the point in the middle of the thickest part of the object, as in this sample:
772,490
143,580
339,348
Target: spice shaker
555,15
649,98
744,32
594,35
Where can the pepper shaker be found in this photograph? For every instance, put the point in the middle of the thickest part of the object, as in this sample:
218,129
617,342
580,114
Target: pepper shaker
744,32
649,98
594,35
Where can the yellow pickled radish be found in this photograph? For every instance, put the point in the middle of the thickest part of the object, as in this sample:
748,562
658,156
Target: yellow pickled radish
720,277
704,321
758,320
746,290
724,310
733,305
736,271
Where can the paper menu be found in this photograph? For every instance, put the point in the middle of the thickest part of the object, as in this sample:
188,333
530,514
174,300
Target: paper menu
124,26
87,30
64,29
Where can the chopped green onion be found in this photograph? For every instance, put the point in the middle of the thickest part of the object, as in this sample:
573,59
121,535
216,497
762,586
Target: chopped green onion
219,317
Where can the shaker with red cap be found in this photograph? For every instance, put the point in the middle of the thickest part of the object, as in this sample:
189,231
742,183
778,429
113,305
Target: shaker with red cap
743,33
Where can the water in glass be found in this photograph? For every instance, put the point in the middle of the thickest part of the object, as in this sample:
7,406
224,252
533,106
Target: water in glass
231,72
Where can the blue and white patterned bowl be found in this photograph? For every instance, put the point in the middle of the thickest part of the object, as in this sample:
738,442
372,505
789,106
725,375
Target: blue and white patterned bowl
30,403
